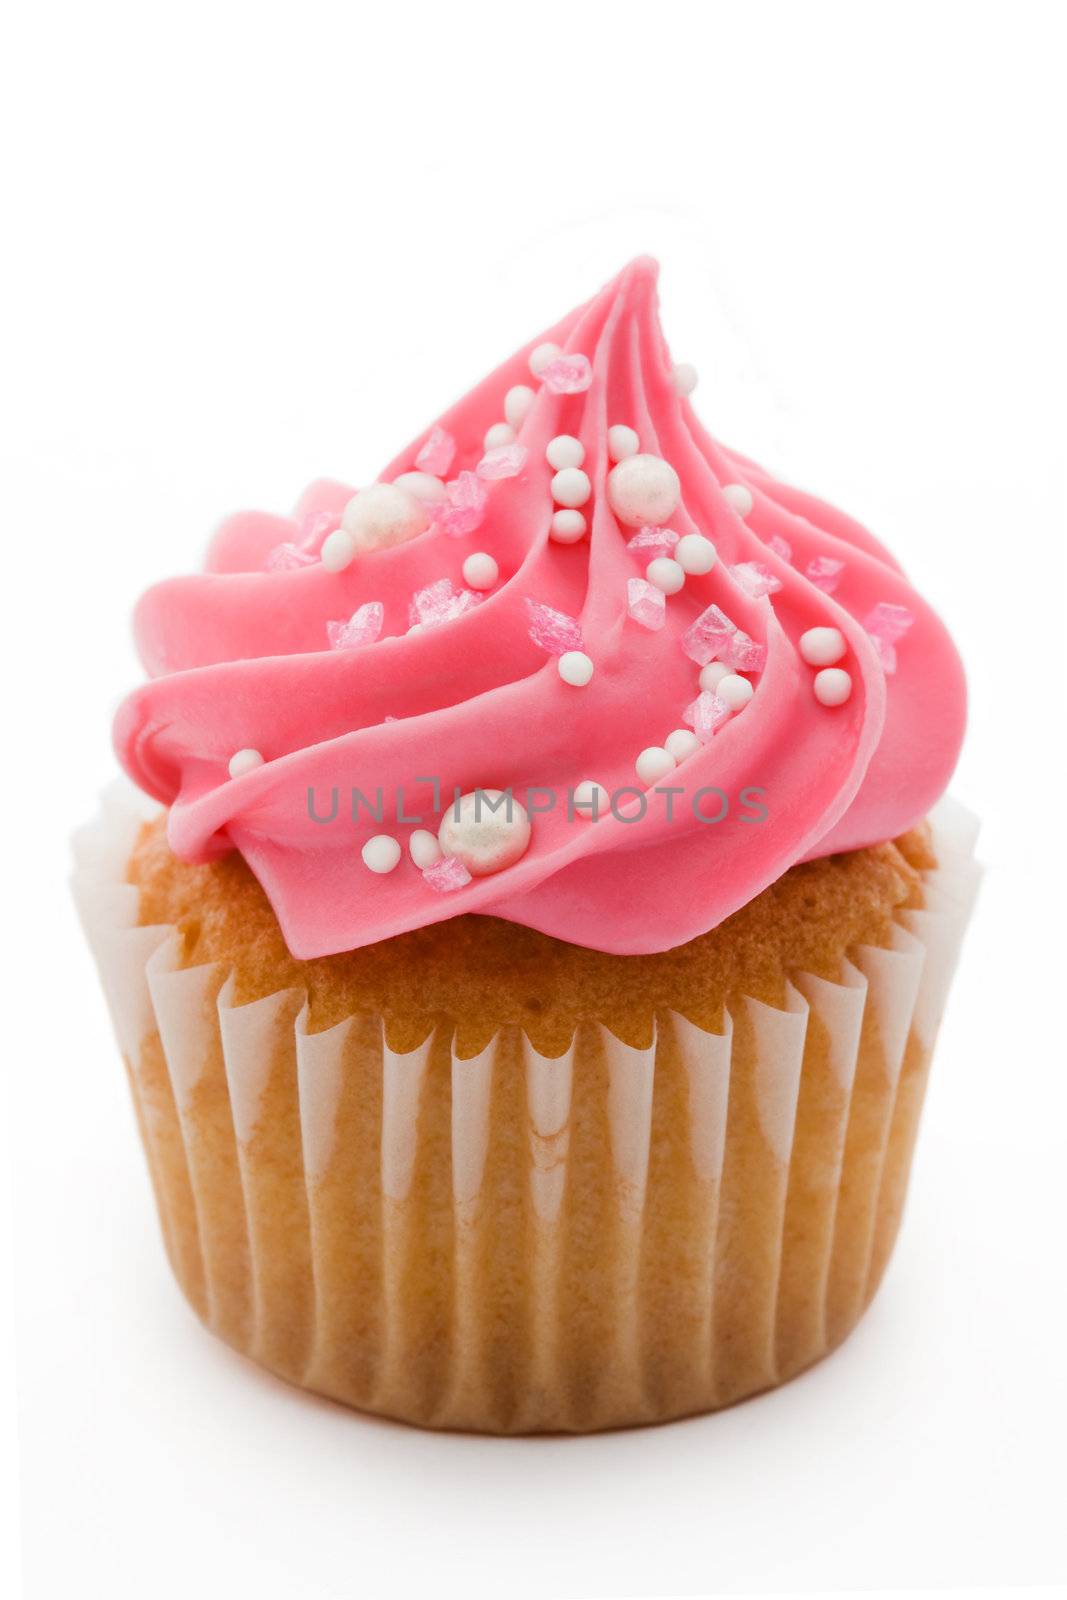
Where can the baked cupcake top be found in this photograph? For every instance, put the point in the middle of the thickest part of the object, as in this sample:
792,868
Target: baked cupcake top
569,662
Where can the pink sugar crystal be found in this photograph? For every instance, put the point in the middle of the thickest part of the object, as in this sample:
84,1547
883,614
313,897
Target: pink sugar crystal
440,602
705,714
706,638
286,557
825,573
362,627
553,630
315,526
463,507
567,375
446,875
885,625
645,603
755,579
650,542
437,453
506,461
781,547
743,653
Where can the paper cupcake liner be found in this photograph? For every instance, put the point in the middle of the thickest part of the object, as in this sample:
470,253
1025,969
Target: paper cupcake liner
515,1243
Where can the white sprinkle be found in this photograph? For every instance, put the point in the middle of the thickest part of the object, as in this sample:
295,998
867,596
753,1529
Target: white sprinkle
383,515
736,495
381,853
491,831
591,799
480,571
565,451
712,675
622,442
338,551
735,690
665,574
821,647
695,554
681,744
517,403
567,527
500,434
542,356
424,848
832,686
571,487
244,761
654,763
685,377
423,485
643,491
575,668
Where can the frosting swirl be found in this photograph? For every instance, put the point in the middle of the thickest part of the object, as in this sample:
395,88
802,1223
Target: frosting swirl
252,655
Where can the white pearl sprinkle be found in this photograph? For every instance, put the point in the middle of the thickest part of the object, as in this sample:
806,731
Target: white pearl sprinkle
500,434
567,527
571,487
424,848
575,668
695,554
685,377
622,442
423,485
383,515
542,355
821,647
565,451
713,674
244,761
643,491
381,853
485,839
517,403
338,551
736,495
832,686
735,690
591,799
480,571
681,744
665,574
654,763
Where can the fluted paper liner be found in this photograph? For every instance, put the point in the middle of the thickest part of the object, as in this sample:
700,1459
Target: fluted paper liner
522,1243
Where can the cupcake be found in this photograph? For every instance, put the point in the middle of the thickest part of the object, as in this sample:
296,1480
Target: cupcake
528,971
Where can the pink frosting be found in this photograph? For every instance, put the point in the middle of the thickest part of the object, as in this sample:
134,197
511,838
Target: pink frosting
238,657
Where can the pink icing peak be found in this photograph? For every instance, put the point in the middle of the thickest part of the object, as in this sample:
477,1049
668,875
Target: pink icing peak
238,658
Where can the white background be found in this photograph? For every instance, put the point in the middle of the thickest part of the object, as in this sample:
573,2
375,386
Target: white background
250,245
